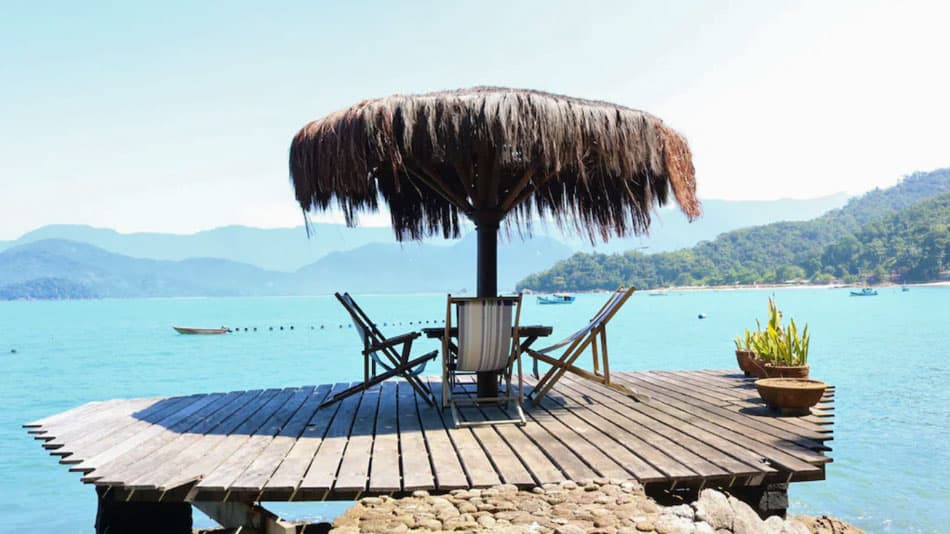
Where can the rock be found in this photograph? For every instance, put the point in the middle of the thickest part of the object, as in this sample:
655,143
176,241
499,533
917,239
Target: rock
682,510
647,506
457,523
632,486
533,505
506,488
569,529
674,524
713,508
486,521
371,501
604,521
703,527
569,485
645,526
467,508
794,526
745,519
773,524
826,525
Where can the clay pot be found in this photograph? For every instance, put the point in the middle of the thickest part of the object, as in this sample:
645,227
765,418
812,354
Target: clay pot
757,367
793,396
784,371
744,358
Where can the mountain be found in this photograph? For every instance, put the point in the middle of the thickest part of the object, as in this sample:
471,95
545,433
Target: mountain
52,268
418,267
56,269
670,230
769,253
278,249
288,249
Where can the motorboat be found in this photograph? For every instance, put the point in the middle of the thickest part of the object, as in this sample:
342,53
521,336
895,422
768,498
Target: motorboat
204,331
864,292
557,298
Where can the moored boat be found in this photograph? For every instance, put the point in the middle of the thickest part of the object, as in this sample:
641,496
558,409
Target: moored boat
864,292
205,331
557,298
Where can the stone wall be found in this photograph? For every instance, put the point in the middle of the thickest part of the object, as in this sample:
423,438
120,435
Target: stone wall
604,506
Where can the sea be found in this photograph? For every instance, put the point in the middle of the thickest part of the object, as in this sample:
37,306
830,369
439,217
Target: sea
888,356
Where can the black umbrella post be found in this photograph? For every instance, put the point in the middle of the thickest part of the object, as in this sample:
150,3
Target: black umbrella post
486,226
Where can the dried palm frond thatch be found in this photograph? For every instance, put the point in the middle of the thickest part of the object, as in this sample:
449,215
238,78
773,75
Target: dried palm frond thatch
487,151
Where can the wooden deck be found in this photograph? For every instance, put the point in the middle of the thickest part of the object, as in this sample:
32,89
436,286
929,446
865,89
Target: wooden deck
699,428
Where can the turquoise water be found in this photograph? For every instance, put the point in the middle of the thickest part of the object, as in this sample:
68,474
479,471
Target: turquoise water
887,355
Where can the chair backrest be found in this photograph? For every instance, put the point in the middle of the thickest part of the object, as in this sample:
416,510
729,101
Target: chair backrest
364,327
487,332
607,311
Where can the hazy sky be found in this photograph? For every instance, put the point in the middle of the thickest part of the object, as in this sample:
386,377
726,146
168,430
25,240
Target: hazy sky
177,116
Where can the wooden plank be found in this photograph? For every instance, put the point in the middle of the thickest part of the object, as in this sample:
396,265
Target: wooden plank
510,468
806,437
69,414
384,473
256,476
631,437
94,426
286,479
168,460
105,437
635,465
414,452
643,426
735,460
446,465
477,466
200,456
245,453
354,463
112,461
712,420
578,443
319,478
533,456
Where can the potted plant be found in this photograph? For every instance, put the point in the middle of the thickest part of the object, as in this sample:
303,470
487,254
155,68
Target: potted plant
745,356
782,352
793,396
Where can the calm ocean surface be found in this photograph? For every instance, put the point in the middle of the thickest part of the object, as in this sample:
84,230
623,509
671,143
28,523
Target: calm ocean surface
887,355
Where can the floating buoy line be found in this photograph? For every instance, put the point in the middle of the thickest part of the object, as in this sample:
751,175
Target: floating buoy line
330,326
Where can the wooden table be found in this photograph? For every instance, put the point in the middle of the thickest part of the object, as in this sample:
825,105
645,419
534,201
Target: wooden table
528,333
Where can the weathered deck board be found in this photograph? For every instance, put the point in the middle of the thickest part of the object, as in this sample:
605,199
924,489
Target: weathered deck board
277,444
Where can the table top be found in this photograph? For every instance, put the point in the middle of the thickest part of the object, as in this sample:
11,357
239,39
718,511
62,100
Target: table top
533,330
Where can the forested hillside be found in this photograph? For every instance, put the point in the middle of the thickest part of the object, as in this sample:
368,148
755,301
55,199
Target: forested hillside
891,232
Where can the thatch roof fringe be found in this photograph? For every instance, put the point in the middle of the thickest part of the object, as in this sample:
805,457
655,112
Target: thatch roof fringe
429,157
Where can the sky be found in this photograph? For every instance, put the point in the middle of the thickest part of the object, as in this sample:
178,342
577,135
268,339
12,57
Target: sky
177,116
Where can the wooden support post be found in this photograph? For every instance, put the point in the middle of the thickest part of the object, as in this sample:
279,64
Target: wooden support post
486,226
115,516
249,518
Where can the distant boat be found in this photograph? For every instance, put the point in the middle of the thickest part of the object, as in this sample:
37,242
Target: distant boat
701,316
205,331
557,298
864,292
658,293
905,289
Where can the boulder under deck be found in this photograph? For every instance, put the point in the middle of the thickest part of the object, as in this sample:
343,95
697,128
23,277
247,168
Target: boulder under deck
699,428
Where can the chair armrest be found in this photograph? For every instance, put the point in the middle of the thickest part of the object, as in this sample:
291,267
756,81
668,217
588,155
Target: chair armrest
392,341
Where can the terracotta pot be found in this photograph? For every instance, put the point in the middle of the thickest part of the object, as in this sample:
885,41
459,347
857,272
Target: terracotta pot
794,396
757,366
744,358
786,371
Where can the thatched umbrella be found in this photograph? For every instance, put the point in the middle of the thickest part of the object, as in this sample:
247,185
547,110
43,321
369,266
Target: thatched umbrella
493,155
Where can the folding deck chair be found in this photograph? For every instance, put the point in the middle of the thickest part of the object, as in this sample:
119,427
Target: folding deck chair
379,352
487,342
576,344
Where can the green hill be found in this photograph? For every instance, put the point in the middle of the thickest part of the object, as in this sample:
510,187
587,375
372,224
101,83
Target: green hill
780,251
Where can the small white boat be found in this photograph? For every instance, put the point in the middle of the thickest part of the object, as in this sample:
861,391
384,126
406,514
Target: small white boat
557,298
905,289
205,331
864,292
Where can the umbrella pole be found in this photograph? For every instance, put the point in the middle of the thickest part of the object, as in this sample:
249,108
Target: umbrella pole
487,231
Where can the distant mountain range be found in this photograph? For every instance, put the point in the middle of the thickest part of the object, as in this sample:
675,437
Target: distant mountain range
900,232
289,249
73,261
